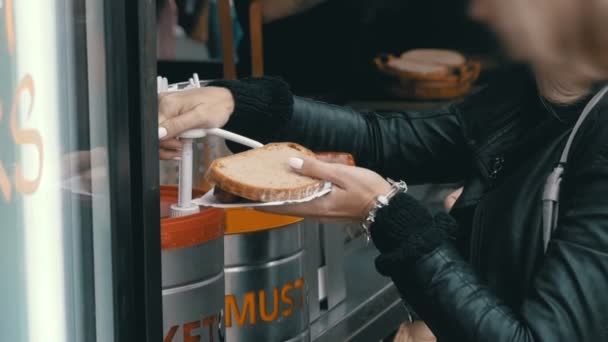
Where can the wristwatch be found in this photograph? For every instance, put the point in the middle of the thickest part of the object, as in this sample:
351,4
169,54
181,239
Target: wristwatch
381,202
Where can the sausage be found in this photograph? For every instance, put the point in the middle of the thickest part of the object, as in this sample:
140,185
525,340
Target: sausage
224,196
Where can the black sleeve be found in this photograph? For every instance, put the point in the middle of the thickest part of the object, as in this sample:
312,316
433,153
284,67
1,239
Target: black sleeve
567,300
419,147
434,146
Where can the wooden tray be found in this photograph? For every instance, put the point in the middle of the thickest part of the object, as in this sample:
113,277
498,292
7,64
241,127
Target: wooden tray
468,72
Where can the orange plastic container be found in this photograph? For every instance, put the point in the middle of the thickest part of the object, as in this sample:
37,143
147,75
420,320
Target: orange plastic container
181,232
240,221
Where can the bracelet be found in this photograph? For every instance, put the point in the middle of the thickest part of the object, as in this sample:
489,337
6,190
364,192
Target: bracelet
381,202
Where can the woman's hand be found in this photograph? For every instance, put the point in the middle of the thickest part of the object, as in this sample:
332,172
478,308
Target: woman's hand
353,193
207,107
451,199
416,331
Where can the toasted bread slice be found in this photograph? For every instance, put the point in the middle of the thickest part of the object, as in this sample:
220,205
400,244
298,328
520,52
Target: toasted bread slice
263,174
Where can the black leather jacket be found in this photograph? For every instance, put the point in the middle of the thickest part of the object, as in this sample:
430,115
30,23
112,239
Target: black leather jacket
493,283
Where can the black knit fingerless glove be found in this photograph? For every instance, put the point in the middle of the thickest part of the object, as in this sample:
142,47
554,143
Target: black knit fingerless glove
261,106
405,230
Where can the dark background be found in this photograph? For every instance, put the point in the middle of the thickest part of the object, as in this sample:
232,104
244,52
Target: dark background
330,48
327,52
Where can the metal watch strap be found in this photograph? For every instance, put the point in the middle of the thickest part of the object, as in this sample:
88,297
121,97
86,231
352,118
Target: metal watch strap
381,202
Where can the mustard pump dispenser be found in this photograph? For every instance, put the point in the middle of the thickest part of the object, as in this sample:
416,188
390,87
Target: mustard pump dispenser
184,205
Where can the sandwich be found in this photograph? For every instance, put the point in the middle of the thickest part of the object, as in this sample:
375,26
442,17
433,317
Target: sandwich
262,175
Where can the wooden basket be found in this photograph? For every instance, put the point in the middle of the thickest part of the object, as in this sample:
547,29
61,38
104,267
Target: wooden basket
453,82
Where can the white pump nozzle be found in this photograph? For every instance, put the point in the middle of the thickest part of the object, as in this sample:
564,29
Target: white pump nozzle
184,206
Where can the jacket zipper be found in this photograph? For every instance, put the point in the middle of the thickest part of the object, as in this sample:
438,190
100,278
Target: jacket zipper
478,228
497,165
476,232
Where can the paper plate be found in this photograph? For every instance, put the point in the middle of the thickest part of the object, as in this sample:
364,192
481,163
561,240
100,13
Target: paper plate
208,200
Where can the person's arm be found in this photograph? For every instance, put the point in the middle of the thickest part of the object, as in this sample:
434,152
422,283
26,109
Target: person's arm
567,300
435,146
420,147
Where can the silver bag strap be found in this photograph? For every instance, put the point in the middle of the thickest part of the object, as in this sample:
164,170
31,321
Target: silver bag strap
552,185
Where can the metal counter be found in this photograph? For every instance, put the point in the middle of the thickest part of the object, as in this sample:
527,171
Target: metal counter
372,308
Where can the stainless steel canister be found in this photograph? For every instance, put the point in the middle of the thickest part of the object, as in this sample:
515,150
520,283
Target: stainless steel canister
266,291
192,275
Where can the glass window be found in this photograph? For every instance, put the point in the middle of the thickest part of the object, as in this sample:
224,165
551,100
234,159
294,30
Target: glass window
55,237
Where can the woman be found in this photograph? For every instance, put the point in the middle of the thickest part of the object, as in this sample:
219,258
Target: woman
480,273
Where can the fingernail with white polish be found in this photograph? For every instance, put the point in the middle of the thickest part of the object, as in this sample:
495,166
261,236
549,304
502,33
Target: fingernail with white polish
177,158
296,163
162,132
